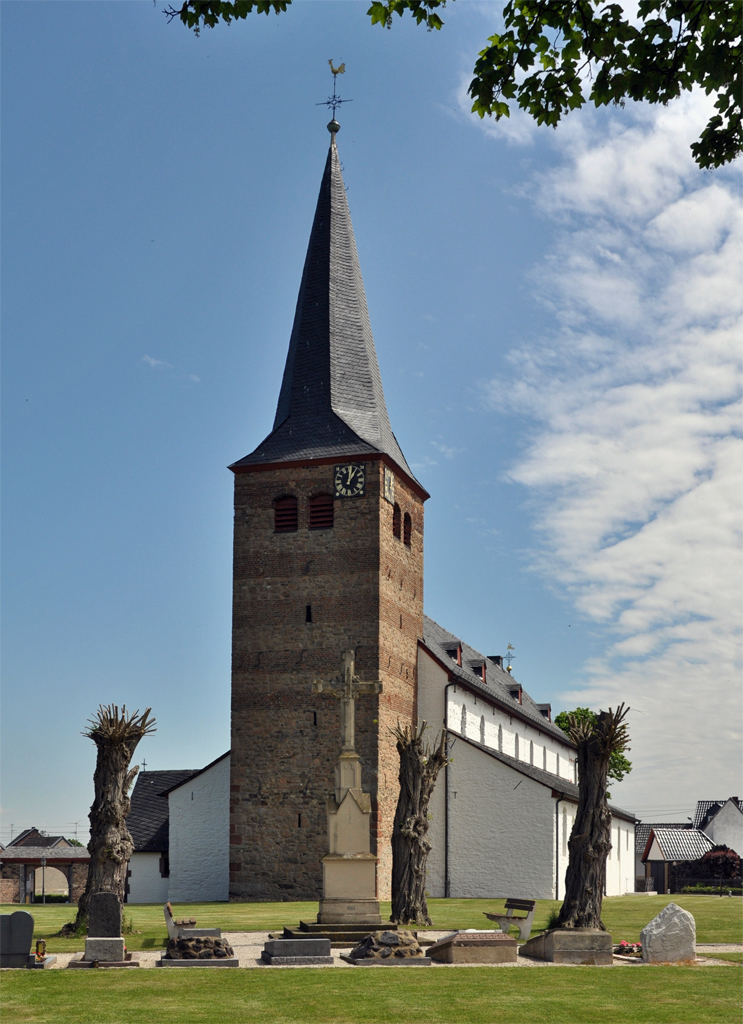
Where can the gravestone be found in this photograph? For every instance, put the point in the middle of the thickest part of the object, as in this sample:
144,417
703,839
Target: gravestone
670,937
104,916
475,948
16,936
386,949
297,952
104,942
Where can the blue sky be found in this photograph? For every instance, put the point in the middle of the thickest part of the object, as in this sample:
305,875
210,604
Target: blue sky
557,319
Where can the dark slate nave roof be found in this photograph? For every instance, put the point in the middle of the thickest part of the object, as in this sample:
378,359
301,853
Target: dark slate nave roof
331,402
498,682
147,820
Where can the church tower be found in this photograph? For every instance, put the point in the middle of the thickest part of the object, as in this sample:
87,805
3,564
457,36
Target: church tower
328,557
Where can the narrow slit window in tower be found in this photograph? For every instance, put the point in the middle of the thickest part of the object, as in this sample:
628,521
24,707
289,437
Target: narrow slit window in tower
407,528
396,520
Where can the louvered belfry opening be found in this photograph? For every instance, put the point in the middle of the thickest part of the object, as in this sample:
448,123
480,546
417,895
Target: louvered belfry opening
407,529
321,512
396,521
286,515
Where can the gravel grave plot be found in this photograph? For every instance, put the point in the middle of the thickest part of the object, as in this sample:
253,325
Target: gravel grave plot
248,947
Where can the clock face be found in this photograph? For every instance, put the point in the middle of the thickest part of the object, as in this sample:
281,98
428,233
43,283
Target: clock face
389,486
350,480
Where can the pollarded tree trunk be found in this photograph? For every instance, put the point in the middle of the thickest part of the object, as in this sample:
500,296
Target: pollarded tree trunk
590,840
116,735
419,768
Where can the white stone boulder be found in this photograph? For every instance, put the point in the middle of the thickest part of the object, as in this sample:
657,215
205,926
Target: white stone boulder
670,937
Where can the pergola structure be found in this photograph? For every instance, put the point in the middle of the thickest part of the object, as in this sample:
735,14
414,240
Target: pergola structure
70,860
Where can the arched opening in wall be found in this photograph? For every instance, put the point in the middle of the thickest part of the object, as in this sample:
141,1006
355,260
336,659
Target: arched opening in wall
396,521
407,529
463,724
482,729
531,751
286,514
557,764
500,738
516,745
321,512
544,758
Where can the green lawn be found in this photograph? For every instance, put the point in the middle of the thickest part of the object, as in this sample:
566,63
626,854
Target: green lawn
464,995
718,920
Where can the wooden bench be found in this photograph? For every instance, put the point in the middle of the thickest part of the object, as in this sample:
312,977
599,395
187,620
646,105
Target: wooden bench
522,921
186,927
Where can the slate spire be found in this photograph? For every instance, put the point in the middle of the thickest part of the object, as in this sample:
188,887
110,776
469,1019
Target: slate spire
331,401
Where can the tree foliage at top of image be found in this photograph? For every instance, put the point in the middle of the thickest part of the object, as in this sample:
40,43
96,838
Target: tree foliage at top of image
619,765
554,55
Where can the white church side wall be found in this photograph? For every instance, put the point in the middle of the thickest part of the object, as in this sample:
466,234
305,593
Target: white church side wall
620,864
500,829
146,884
477,720
431,683
199,836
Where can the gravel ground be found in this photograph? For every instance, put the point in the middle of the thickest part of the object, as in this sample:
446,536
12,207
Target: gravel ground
248,947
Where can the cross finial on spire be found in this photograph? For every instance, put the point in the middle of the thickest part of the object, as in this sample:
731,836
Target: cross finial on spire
334,101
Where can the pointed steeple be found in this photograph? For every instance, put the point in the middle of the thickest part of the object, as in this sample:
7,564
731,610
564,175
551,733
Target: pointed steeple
331,402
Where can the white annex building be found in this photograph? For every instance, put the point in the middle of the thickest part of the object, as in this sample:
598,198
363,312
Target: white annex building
179,821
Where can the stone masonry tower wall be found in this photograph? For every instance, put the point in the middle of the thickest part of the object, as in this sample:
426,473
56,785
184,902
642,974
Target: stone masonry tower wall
363,587
303,596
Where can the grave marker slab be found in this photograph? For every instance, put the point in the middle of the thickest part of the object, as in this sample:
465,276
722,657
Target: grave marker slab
16,936
104,916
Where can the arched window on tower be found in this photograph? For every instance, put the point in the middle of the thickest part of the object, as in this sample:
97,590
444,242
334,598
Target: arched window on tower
500,738
396,521
482,729
321,512
463,726
516,745
407,528
286,514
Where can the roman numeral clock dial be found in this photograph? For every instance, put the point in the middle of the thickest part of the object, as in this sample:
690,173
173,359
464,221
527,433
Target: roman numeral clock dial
350,480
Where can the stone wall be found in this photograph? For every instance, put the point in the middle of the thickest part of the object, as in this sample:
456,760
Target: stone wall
365,591
9,883
79,880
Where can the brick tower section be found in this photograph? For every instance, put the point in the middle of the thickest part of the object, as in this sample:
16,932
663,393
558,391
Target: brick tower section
362,588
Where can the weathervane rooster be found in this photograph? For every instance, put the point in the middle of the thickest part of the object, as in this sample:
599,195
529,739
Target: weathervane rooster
340,70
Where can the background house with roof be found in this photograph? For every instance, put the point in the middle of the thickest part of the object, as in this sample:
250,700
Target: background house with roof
722,821
666,848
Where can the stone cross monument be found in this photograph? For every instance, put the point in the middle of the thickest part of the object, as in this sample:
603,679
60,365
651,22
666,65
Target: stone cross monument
349,868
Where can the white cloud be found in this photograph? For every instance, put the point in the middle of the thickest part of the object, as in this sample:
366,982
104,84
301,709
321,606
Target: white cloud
446,450
635,457
154,362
